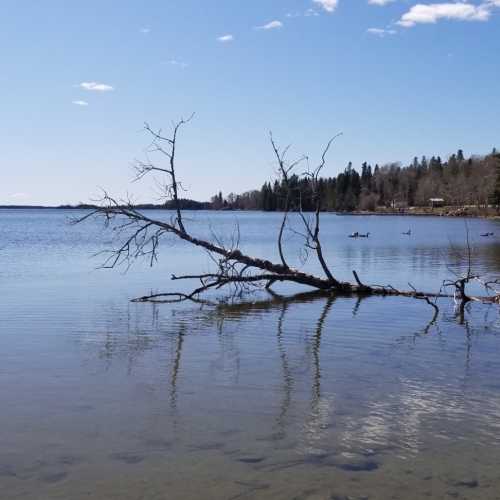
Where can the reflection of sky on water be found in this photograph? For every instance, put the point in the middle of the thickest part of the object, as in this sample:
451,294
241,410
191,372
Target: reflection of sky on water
62,251
273,381
404,420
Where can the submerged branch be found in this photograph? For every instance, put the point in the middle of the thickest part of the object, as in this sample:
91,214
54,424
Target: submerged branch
236,270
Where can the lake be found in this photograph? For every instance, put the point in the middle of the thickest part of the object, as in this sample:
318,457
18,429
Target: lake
275,398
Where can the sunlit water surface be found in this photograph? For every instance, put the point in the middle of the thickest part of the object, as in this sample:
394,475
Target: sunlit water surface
284,399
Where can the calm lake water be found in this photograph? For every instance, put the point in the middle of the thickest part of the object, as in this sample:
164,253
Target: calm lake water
275,398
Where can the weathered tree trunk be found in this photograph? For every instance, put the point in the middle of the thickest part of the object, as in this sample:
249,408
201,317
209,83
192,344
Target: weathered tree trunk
142,235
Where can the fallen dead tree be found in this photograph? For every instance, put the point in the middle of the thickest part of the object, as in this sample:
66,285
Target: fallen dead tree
233,268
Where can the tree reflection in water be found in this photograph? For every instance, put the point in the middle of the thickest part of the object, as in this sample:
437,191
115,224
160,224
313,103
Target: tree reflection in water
193,325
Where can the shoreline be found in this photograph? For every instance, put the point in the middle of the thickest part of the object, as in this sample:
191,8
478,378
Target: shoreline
464,212
454,212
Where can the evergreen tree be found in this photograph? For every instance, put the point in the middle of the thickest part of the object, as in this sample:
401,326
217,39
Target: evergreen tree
460,181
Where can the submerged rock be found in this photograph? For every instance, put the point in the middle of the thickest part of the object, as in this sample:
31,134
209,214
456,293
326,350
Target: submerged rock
468,483
358,466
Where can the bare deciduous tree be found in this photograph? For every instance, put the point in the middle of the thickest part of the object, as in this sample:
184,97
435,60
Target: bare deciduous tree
233,268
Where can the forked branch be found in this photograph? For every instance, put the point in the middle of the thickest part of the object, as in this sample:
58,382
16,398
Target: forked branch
140,235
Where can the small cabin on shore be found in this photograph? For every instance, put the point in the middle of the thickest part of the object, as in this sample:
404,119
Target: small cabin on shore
436,202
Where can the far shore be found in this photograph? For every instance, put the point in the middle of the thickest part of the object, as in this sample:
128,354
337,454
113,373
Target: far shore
445,211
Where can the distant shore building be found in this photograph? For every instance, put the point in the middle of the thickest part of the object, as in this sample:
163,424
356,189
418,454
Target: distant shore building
436,202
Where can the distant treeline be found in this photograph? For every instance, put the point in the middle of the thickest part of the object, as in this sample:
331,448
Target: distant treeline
185,204
459,181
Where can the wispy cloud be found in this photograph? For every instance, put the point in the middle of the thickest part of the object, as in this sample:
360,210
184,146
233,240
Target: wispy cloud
95,86
307,13
225,38
80,103
328,5
380,2
146,31
381,32
270,26
180,64
457,11
311,13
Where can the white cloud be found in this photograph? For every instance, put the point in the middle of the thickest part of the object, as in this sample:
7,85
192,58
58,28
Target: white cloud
270,26
328,5
380,2
458,11
380,32
98,87
146,31
80,103
225,38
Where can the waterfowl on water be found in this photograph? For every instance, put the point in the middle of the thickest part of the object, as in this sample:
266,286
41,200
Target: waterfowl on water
407,233
487,234
359,235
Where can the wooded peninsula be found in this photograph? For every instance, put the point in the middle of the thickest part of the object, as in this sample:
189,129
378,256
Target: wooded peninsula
472,182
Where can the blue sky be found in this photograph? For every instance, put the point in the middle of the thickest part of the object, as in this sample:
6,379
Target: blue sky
78,80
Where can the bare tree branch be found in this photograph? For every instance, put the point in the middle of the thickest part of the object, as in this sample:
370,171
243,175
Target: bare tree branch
167,146
141,234
284,170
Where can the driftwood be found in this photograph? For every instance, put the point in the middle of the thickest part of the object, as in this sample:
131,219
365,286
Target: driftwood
234,268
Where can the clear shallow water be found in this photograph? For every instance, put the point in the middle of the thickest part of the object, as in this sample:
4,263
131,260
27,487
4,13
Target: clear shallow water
309,399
